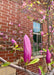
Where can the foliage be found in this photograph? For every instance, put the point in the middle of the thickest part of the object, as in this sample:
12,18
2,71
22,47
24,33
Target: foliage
34,61
5,64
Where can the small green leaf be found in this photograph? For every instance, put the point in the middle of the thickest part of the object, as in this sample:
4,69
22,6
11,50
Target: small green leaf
34,61
46,33
26,63
38,2
18,49
52,62
12,51
16,46
44,50
5,64
28,17
51,46
21,59
47,14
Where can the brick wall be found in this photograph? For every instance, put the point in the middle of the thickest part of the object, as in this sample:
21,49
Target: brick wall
10,18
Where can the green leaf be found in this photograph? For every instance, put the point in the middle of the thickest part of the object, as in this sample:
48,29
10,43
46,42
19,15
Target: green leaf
52,62
22,59
26,63
51,46
12,51
47,14
34,61
47,33
18,49
28,17
16,46
5,64
41,68
38,2
44,50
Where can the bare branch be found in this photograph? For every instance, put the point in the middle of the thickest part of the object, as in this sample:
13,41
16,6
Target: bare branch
19,68
23,69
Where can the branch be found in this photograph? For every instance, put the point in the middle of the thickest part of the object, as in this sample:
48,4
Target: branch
23,69
19,68
52,72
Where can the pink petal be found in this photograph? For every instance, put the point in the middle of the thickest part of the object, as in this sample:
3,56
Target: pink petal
42,33
27,49
13,41
19,25
48,56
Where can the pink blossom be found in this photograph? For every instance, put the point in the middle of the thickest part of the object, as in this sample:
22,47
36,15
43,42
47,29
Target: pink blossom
29,1
41,19
13,41
50,27
19,38
41,51
1,33
42,33
44,17
49,8
18,25
14,32
11,23
52,30
20,31
24,4
27,49
31,31
6,37
48,56
52,2
41,12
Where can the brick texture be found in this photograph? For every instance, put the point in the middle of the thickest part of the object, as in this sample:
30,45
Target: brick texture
10,18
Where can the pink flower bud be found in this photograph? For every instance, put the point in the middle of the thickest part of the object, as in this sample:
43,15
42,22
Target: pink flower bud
31,31
42,33
11,23
13,41
44,17
18,25
52,30
1,33
50,27
48,56
52,2
24,4
27,49
20,31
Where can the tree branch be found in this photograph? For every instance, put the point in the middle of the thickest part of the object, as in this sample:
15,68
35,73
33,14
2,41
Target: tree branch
23,69
52,72
19,68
